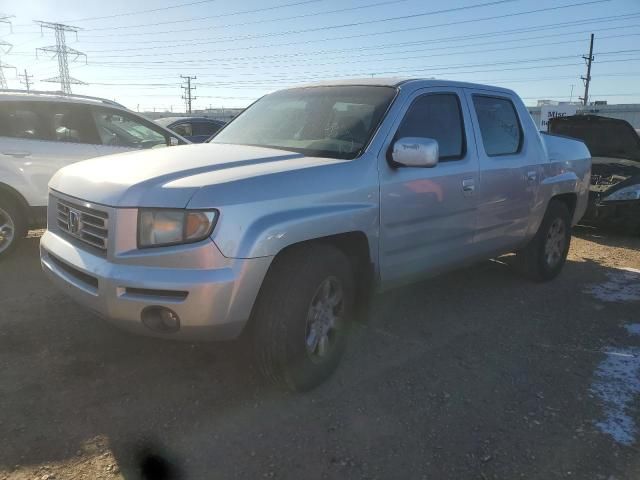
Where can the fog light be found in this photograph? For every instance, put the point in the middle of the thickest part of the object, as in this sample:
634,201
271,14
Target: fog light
160,319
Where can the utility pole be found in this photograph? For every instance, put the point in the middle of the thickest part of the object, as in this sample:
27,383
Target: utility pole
571,96
62,52
27,80
587,79
188,97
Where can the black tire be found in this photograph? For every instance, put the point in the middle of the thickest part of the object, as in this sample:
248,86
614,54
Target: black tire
280,320
536,260
11,215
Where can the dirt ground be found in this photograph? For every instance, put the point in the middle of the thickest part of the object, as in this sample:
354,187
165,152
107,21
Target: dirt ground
478,374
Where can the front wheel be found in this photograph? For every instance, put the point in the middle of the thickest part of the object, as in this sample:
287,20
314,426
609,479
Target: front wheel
12,226
302,316
544,257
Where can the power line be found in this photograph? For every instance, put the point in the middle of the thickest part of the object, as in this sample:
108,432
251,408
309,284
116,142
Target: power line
376,48
62,52
230,14
138,12
286,75
369,22
187,97
227,63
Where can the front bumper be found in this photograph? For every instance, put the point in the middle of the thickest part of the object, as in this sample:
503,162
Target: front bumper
612,214
213,302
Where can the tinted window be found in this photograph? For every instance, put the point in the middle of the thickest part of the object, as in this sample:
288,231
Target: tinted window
183,129
334,122
205,128
436,116
499,125
118,129
52,121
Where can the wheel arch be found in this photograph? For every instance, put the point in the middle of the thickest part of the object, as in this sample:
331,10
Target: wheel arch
11,193
570,200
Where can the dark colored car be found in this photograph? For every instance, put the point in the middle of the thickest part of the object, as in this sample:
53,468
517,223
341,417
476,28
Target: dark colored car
194,129
614,197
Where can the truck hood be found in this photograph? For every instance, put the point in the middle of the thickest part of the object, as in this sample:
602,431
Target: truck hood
169,177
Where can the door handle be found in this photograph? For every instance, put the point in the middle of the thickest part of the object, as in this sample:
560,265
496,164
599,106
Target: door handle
468,186
532,176
17,154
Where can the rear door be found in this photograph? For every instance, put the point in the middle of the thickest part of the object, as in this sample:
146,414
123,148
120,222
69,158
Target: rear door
509,172
428,215
37,138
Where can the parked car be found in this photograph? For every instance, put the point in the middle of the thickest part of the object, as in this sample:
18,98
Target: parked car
194,129
42,132
309,200
614,198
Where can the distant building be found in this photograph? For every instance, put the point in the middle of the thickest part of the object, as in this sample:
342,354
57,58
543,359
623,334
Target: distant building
629,112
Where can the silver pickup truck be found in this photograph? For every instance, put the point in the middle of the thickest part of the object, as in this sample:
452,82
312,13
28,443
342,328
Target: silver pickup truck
309,200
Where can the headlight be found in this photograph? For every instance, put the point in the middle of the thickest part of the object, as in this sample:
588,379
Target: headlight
157,227
626,193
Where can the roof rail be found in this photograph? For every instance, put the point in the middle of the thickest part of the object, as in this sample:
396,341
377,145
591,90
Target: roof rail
61,94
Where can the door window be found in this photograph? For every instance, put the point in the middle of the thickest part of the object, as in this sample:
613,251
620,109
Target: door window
437,116
117,129
499,125
205,128
183,129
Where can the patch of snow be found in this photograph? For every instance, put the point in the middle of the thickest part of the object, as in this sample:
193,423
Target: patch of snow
622,286
633,329
617,385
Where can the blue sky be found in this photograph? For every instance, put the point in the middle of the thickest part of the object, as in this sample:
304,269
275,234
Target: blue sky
241,50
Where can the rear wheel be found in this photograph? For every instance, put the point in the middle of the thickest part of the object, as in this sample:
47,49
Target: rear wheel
302,316
546,254
12,226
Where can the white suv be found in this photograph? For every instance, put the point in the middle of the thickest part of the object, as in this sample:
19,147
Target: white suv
42,132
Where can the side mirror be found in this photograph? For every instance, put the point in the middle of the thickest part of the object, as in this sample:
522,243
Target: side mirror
415,152
173,141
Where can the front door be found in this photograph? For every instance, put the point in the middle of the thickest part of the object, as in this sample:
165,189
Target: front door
428,215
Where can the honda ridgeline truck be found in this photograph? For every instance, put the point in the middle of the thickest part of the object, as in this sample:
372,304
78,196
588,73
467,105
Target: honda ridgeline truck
308,200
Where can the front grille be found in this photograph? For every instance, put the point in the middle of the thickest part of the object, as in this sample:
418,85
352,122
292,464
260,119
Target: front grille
83,222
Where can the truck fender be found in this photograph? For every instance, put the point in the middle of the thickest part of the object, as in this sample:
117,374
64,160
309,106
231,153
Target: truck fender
270,234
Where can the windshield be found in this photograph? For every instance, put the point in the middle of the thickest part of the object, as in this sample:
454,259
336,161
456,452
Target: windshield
335,122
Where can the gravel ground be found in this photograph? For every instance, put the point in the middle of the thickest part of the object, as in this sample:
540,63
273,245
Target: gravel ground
478,374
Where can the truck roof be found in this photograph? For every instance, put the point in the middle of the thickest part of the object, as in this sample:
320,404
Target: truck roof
400,81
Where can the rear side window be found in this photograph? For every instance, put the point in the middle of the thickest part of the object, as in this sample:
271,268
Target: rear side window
436,116
51,121
205,128
21,120
499,125
183,129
